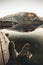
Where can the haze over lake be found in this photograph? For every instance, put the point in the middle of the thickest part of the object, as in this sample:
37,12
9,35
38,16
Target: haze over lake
38,31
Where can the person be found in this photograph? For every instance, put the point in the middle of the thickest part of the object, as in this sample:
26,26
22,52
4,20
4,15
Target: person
12,53
12,50
26,51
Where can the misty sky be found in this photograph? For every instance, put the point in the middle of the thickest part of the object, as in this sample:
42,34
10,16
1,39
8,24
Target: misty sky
12,6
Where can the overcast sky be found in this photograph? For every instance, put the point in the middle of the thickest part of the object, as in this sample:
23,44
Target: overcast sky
8,7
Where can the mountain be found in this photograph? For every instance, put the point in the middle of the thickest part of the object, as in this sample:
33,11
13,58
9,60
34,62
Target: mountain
18,16
23,21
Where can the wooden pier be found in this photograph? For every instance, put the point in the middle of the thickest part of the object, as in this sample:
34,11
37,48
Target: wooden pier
4,53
